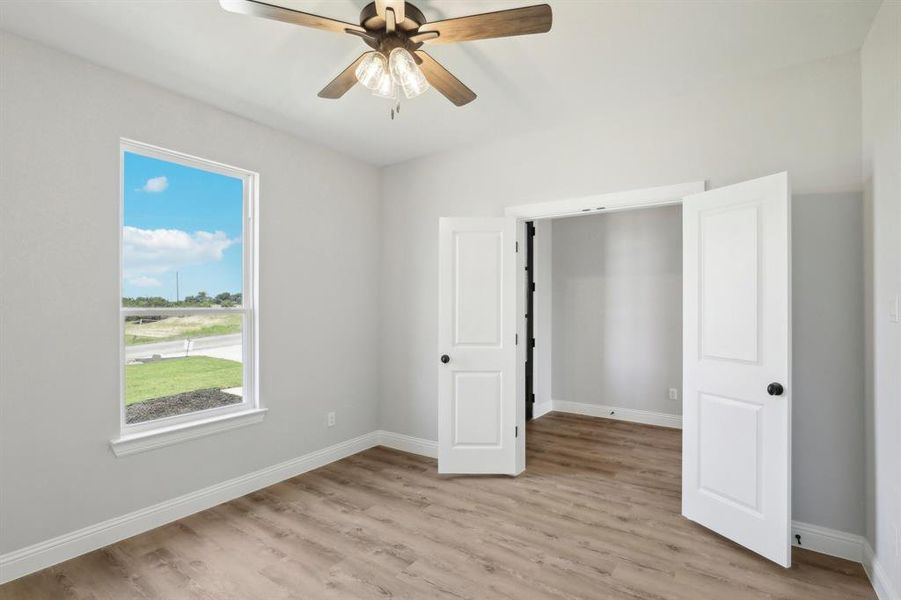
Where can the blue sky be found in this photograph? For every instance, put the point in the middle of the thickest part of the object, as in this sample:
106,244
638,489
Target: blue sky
180,219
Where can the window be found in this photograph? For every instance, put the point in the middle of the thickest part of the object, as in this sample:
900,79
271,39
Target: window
188,286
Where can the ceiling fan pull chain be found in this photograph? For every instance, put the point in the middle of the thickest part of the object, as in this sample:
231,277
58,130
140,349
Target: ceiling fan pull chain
395,110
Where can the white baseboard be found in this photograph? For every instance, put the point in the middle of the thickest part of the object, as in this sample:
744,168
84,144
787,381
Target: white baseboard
885,590
44,554
48,553
541,409
828,541
406,443
848,546
19,563
622,414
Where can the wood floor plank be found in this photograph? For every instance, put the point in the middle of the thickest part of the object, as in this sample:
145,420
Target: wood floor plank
596,515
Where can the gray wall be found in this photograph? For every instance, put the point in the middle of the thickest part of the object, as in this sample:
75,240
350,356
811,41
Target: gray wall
881,115
827,361
805,120
617,298
59,210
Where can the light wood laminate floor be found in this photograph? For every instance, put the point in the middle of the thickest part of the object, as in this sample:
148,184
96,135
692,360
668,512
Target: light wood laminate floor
595,515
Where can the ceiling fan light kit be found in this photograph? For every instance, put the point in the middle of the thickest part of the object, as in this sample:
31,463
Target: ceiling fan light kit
386,88
372,71
396,30
406,74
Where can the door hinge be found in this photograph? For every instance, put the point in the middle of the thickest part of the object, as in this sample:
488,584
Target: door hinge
517,246
516,339
516,431
533,342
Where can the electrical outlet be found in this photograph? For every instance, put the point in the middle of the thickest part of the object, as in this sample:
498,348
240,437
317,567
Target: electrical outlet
673,394
331,419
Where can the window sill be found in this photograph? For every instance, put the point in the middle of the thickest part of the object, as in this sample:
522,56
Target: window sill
158,438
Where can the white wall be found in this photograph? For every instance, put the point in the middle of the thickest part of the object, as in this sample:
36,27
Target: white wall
617,316
60,128
805,120
827,361
881,91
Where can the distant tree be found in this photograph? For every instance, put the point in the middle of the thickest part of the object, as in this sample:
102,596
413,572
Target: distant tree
153,301
201,299
227,299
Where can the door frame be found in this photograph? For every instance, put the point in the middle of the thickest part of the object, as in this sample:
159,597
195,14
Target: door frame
529,395
573,207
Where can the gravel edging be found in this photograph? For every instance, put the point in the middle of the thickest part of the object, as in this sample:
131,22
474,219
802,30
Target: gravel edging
179,404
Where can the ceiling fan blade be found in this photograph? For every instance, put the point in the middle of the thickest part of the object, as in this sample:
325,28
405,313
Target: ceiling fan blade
419,38
287,15
339,86
444,81
381,7
503,23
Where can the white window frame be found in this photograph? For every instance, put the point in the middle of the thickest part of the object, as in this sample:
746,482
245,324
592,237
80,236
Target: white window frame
139,436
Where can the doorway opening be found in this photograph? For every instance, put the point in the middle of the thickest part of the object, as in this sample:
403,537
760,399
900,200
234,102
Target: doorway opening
736,346
603,315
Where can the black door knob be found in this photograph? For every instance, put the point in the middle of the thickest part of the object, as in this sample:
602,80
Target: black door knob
445,358
775,389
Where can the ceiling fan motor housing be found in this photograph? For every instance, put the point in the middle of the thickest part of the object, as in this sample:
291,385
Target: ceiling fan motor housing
371,21
382,40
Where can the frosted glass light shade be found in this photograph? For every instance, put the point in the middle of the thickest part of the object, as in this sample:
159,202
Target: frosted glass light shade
386,88
406,73
370,70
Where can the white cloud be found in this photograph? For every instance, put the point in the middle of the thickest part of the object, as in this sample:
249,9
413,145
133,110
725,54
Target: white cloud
155,185
144,281
157,251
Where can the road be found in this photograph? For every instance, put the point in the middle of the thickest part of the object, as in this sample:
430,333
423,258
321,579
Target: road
218,346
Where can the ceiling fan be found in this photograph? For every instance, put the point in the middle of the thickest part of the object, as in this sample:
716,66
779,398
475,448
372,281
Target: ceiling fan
396,30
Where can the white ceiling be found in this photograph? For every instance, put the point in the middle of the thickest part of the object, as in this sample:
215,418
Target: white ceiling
599,55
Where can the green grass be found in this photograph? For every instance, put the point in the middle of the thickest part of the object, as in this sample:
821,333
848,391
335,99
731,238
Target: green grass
178,328
174,376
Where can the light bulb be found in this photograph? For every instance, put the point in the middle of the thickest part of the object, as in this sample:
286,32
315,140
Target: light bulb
406,73
386,88
370,70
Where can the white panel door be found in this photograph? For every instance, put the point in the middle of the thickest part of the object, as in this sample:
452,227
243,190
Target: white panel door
476,346
736,445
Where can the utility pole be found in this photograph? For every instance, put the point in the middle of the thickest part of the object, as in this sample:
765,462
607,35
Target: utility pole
176,287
